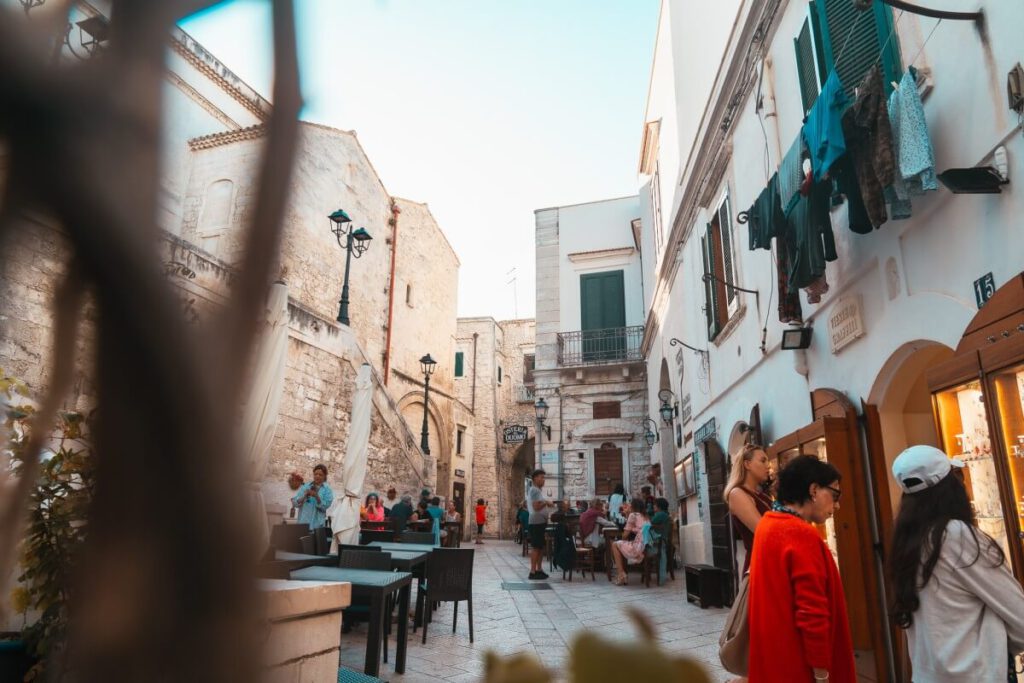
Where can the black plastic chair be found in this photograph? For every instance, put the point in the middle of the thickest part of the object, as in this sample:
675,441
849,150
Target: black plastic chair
322,541
420,537
361,548
285,537
369,536
307,545
449,579
359,610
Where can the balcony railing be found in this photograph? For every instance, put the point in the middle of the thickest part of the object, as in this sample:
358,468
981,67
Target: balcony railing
525,394
594,347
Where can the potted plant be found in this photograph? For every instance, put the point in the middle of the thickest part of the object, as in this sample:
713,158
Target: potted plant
58,509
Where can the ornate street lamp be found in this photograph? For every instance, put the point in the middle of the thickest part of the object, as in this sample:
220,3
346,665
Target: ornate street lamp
427,365
650,436
356,241
666,410
541,408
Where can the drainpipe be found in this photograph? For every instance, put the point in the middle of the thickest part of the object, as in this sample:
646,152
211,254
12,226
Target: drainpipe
561,449
472,406
497,432
391,289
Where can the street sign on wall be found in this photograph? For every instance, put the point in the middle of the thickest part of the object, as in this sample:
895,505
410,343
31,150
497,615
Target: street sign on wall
514,434
984,288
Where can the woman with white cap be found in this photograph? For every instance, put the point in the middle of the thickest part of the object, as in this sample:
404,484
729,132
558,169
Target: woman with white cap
960,605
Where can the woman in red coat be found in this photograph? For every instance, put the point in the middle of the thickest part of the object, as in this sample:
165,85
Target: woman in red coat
799,630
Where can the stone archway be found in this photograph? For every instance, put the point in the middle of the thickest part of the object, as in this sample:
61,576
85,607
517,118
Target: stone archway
513,484
411,409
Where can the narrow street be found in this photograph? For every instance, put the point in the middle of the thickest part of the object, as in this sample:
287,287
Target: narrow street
544,622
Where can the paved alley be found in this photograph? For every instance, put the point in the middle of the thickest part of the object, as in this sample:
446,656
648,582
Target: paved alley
544,622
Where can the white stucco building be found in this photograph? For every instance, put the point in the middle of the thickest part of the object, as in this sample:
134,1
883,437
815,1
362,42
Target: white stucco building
590,372
899,351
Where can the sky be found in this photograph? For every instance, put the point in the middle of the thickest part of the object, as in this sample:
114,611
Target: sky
484,109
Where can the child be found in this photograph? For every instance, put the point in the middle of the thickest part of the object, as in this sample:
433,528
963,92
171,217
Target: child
481,519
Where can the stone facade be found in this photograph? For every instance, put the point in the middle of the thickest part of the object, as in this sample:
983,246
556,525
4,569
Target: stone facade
498,469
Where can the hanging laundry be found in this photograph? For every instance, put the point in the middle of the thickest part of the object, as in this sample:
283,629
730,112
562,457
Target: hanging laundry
869,143
846,184
915,159
816,290
791,174
765,219
823,129
789,296
809,239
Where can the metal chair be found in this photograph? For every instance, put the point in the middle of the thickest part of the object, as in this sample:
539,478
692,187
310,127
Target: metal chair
449,579
366,537
420,537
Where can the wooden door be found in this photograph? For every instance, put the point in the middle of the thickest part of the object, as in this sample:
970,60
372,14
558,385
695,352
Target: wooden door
717,473
607,469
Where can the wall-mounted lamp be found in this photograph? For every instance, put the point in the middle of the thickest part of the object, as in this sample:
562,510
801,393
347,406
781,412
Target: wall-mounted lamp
796,338
651,431
667,410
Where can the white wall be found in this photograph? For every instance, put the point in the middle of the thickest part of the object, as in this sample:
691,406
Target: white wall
594,227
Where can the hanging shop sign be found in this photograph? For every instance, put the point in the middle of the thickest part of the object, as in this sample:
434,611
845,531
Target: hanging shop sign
845,324
685,410
984,288
514,434
706,431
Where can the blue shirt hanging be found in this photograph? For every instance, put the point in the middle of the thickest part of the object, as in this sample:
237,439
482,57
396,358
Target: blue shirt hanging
823,130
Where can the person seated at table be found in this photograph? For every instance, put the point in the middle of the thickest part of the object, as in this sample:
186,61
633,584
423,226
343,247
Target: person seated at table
390,501
402,513
372,511
661,519
313,499
420,516
592,521
645,493
631,548
616,502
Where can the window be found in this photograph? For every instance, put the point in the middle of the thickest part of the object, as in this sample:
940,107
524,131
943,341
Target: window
603,316
499,374
836,28
215,217
529,365
604,410
659,235
408,295
459,359
721,300
460,436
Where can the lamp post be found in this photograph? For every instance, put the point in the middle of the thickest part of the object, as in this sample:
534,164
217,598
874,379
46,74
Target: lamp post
357,242
541,408
427,364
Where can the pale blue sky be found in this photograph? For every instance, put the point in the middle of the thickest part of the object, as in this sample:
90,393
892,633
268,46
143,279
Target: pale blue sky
484,109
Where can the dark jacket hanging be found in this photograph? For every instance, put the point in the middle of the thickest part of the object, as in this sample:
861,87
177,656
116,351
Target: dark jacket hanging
869,143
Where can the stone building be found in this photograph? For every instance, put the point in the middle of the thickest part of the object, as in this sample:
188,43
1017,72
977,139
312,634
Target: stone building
589,368
403,293
494,378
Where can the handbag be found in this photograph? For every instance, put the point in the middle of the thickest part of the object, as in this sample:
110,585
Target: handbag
734,643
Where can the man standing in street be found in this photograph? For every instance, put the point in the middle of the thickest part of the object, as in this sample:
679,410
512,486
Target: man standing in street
539,506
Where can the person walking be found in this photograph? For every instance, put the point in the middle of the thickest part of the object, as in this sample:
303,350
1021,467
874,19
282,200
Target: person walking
747,503
961,607
481,519
539,507
313,499
798,623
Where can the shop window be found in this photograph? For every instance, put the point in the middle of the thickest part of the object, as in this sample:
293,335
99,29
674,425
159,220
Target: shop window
459,361
460,438
605,410
720,296
836,28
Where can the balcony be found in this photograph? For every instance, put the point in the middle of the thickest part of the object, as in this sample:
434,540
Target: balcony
598,347
525,394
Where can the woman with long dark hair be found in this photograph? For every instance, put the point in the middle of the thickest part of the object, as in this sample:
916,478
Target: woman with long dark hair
960,605
616,501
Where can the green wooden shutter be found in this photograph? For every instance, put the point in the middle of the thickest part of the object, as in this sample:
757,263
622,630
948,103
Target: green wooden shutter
602,300
806,60
458,363
857,37
728,267
707,244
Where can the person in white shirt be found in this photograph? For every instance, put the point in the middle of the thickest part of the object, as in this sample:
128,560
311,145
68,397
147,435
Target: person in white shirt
954,594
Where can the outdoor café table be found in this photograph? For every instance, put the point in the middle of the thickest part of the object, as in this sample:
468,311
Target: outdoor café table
376,586
292,561
418,569
611,534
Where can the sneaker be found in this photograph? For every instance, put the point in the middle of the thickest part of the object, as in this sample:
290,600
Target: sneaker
542,575
536,576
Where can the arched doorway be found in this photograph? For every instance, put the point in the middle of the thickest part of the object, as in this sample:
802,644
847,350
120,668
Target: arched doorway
513,483
904,404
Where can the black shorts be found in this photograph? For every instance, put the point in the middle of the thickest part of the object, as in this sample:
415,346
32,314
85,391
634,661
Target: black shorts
536,535
479,528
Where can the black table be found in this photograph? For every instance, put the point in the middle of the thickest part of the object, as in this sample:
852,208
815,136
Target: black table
418,569
376,586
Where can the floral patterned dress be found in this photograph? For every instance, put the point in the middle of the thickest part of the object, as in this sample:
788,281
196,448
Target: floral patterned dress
633,550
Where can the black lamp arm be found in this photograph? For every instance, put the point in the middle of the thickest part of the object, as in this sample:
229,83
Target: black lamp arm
709,276
678,342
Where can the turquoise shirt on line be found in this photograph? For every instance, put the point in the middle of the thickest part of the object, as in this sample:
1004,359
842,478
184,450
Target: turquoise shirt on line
312,512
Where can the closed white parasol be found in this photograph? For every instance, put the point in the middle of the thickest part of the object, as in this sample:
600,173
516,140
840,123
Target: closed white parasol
344,513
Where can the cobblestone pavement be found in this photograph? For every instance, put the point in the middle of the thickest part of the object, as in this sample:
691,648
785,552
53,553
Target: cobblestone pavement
543,622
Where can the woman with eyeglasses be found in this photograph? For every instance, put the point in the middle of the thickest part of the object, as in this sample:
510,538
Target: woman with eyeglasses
798,624
960,605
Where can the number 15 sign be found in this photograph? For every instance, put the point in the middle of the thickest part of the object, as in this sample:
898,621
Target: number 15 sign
984,288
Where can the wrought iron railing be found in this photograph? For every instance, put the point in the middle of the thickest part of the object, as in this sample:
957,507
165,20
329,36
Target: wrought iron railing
592,347
525,394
